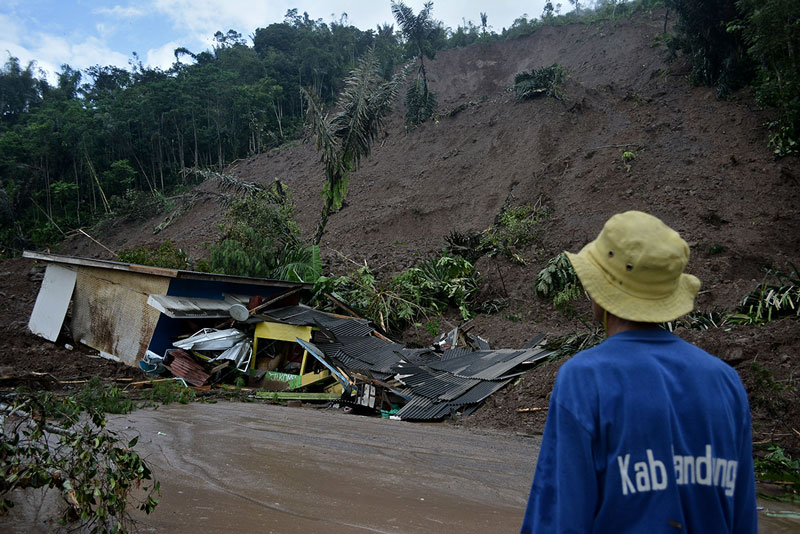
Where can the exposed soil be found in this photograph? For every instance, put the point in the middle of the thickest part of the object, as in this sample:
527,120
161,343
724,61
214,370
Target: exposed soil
702,165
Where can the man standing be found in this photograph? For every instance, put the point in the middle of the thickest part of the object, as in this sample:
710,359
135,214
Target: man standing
645,433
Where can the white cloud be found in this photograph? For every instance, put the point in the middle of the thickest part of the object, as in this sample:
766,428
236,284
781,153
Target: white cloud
202,18
162,57
94,51
120,12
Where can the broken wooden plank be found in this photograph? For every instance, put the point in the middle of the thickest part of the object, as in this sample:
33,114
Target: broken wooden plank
294,395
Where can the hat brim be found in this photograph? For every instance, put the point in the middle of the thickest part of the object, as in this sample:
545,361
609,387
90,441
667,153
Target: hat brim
625,305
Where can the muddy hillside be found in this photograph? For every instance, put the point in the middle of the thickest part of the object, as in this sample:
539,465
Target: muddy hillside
700,164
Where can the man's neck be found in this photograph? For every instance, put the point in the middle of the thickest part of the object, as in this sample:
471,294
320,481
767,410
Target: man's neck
617,325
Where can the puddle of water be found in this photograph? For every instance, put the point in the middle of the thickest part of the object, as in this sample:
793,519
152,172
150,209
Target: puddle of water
776,517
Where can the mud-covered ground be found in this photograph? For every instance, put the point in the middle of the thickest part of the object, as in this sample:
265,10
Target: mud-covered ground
701,164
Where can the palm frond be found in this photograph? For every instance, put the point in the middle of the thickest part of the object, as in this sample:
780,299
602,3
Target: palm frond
298,264
228,182
325,140
405,18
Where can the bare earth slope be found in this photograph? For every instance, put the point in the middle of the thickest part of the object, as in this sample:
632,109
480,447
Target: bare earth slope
701,164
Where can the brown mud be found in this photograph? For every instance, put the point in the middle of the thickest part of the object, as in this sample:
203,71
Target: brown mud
701,164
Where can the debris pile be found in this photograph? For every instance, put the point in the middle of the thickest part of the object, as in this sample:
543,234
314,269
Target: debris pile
297,352
218,330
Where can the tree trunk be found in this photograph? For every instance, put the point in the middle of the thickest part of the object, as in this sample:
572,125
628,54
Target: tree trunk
327,208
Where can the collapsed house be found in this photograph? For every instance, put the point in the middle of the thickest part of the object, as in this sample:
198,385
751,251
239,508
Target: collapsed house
208,329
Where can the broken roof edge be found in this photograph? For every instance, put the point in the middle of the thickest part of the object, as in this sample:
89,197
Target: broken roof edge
157,271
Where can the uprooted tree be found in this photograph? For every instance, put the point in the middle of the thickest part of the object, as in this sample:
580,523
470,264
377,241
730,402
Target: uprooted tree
347,137
63,443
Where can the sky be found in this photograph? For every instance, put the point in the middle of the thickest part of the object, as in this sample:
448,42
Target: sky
83,33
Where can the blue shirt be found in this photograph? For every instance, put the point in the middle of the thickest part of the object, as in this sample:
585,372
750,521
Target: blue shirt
645,433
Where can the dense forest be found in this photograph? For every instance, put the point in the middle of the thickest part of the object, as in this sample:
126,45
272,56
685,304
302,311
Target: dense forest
107,141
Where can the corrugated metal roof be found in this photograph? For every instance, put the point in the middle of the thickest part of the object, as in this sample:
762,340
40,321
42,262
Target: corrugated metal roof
486,365
304,316
423,409
419,410
449,354
479,392
434,385
351,327
419,356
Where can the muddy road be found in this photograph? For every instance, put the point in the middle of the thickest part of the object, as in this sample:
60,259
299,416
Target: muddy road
242,468
260,468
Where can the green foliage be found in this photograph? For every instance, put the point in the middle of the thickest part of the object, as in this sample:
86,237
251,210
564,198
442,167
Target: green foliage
135,205
780,468
777,296
378,302
347,137
469,245
167,392
435,284
63,443
433,328
734,42
771,30
765,393
559,282
517,229
165,255
718,56
546,81
420,30
107,130
429,288
570,344
96,397
260,239
420,103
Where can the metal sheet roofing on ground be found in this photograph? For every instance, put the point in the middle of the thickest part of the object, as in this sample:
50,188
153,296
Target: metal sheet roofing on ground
433,384
304,316
449,354
419,356
421,409
486,365
381,354
479,392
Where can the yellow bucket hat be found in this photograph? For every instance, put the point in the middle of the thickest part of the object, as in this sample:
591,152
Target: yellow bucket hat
634,269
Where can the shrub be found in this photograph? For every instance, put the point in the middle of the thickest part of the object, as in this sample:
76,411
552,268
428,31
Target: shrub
770,30
166,255
420,103
428,288
770,301
516,230
135,205
96,396
545,81
167,392
559,282
261,239
778,467
436,284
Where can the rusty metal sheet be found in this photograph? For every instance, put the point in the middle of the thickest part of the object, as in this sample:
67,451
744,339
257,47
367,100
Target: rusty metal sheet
110,311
